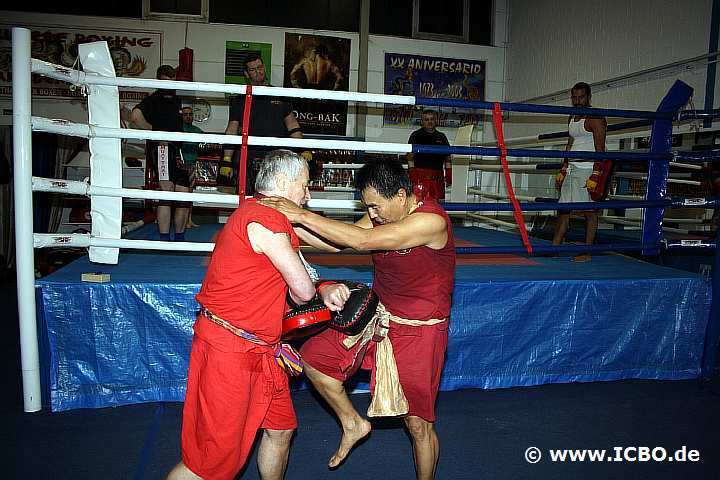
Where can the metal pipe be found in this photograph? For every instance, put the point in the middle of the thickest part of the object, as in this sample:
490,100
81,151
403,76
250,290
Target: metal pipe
545,168
620,80
533,108
497,221
22,151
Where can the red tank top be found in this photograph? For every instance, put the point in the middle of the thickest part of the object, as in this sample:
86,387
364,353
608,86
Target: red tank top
417,283
241,286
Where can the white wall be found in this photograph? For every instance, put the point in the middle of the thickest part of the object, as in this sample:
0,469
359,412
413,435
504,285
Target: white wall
208,43
554,44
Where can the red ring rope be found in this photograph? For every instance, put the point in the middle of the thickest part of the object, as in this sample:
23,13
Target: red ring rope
517,211
243,148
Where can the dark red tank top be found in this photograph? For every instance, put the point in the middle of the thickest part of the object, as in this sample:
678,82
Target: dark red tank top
417,283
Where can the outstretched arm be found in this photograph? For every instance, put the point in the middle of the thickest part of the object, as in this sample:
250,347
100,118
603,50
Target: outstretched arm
420,229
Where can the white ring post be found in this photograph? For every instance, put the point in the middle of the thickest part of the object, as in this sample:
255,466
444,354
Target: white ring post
105,156
25,256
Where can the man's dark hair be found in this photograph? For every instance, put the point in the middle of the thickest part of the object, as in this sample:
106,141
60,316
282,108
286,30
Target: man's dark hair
166,71
322,51
582,86
430,111
253,57
385,176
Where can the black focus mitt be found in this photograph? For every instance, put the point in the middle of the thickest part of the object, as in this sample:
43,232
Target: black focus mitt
313,316
357,311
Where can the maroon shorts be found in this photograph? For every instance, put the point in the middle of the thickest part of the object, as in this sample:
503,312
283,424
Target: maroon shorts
419,354
230,395
428,184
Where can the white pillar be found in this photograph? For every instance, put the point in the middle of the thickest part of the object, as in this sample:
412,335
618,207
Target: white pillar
105,157
22,151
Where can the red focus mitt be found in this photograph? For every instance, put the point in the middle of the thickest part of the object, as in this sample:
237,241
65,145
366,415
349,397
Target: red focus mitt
305,320
598,182
560,177
310,318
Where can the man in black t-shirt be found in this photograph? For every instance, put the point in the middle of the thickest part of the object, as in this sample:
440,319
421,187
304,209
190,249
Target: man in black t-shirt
161,110
269,117
426,169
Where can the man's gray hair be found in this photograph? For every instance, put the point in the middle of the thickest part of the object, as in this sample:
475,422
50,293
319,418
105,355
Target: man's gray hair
275,163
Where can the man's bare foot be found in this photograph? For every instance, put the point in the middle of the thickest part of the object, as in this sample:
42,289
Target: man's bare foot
191,224
349,438
583,257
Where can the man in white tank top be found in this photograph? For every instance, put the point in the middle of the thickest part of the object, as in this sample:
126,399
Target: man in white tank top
585,134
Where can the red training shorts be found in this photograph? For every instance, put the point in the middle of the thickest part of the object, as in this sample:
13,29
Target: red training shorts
419,354
230,395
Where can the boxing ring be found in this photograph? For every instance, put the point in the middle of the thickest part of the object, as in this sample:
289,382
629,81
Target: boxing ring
516,319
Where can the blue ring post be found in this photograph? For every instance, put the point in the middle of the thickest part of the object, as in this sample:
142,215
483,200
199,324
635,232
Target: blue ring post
661,142
712,333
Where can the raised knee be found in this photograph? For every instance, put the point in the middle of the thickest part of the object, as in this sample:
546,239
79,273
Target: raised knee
418,428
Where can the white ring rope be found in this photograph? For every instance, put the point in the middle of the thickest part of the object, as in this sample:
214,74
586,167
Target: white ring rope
74,187
69,75
85,240
74,129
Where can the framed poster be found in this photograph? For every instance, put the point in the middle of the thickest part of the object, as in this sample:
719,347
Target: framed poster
321,63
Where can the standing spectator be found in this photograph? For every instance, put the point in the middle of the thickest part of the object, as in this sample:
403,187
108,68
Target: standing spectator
429,172
269,117
189,152
161,111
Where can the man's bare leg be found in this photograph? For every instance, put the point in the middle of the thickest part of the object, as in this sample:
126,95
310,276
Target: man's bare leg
273,453
591,224
561,228
426,447
181,472
164,210
591,221
181,213
355,427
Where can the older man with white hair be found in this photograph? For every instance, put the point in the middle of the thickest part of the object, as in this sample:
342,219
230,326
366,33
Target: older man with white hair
235,385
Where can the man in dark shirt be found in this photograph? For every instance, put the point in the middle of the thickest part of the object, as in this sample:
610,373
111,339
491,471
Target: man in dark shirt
426,170
161,111
269,117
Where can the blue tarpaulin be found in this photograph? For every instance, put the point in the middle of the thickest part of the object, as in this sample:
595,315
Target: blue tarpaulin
513,324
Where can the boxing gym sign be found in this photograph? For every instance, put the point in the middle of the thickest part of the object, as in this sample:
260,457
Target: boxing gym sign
134,54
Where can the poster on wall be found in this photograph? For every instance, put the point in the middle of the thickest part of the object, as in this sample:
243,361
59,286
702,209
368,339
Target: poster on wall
434,77
235,55
321,63
134,53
